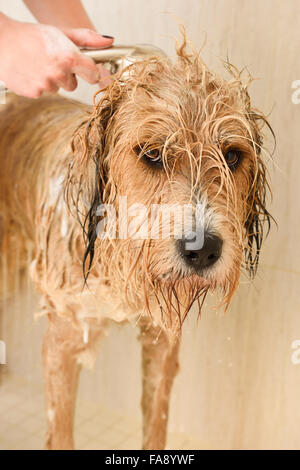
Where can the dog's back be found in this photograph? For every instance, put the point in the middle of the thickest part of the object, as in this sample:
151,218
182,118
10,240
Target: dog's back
34,158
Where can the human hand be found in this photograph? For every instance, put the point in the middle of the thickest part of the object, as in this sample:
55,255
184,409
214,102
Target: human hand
37,58
88,38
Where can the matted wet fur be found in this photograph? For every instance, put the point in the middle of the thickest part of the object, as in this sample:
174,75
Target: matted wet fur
193,122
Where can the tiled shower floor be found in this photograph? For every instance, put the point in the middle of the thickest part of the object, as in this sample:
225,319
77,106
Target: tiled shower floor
22,422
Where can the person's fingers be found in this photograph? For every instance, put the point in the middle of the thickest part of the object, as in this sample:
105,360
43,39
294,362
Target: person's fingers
68,82
104,76
88,38
45,86
85,68
52,87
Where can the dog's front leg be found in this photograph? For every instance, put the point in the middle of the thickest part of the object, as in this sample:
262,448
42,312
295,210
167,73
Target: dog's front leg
160,365
62,342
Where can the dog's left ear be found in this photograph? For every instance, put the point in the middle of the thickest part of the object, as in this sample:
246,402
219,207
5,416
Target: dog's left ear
89,184
258,218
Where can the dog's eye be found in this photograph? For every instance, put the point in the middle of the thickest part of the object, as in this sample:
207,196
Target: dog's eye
153,156
233,158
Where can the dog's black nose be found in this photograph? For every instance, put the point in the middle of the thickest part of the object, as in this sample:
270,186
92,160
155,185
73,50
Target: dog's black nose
204,257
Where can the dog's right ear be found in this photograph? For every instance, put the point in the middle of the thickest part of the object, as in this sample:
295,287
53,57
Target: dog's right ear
89,184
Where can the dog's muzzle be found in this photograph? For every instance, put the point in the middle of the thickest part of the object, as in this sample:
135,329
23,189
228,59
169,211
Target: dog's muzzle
200,258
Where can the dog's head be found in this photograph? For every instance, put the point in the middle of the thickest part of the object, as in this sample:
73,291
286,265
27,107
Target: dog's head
175,155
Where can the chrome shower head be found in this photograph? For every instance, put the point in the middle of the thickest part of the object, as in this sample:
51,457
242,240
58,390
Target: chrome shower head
119,56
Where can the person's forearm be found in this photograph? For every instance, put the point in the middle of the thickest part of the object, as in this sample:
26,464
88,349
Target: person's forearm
60,13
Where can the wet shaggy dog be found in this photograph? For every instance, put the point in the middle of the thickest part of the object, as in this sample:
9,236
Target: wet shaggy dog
160,135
